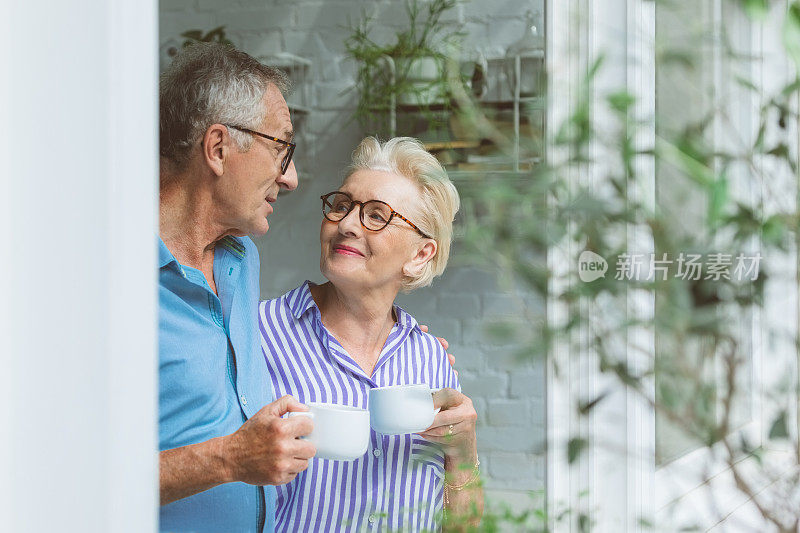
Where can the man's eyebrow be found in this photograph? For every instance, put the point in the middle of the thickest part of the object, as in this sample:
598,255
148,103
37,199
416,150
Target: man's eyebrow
288,134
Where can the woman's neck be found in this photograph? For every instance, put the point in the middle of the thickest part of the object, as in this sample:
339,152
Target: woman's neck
360,320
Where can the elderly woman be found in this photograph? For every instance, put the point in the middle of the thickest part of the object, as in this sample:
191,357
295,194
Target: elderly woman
388,228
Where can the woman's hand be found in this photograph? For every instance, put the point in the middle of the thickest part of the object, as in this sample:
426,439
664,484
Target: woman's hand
454,426
454,429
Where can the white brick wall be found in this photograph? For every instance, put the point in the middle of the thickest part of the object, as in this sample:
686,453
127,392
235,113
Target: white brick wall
509,396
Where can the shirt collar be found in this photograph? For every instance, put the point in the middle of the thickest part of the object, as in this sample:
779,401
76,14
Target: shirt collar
404,319
230,243
303,301
165,257
234,245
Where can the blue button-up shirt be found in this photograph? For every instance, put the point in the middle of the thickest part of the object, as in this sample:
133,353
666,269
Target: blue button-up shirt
212,377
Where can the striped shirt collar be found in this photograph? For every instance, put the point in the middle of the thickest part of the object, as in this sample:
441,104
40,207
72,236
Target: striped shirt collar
301,301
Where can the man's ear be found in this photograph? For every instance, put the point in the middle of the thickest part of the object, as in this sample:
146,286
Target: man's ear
425,253
216,147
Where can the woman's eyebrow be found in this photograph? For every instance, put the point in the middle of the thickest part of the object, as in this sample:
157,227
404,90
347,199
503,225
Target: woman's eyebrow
357,199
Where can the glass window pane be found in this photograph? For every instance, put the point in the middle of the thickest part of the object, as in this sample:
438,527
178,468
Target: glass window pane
696,108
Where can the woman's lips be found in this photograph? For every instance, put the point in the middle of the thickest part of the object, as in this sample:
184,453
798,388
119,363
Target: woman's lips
347,250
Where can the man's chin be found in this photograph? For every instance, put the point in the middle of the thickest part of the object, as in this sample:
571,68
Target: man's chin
260,229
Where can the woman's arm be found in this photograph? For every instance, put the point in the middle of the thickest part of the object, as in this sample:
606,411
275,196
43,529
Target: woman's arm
463,492
454,429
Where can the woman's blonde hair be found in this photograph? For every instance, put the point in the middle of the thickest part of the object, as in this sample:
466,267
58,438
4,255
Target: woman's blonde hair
407,157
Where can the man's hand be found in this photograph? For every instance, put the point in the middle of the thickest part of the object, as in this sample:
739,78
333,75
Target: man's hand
267,449
445,345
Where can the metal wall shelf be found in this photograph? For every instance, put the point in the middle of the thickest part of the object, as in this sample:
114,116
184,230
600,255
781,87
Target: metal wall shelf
519,106
299,100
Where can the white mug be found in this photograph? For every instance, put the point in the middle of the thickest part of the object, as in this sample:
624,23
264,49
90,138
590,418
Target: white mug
340,432
400,409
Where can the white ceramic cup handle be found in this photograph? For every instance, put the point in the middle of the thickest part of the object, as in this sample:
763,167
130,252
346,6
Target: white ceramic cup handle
437,409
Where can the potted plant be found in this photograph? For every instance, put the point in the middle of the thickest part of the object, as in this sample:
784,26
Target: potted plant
409,71
171,47
217,35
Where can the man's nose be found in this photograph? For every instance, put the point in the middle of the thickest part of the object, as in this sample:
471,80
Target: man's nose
289,180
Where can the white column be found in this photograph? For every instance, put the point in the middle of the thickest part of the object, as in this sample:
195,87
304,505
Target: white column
78,196
612,481
569,374
5,222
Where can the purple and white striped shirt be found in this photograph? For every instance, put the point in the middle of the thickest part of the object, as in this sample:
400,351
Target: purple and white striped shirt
397,484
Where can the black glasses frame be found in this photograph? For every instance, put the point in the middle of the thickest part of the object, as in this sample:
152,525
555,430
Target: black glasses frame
325,202
289,152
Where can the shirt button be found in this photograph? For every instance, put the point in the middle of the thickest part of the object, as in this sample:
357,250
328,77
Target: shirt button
376,452
371,519
244,399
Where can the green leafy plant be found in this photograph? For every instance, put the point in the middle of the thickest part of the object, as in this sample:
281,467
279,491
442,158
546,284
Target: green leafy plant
217,35
386,72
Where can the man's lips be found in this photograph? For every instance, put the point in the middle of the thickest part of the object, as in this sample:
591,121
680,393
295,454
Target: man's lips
270,200
347,250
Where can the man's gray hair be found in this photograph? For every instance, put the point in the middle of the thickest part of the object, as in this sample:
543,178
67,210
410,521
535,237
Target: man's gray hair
207,84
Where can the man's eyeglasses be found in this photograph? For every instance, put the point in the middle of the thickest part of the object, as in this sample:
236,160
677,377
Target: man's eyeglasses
289,151
373,214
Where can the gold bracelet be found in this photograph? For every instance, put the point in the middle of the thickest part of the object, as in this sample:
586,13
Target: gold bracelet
472,479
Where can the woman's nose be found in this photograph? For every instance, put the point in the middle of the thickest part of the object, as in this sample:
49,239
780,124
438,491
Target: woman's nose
351,223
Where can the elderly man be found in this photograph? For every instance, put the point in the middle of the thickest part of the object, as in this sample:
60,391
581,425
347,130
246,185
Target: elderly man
226,152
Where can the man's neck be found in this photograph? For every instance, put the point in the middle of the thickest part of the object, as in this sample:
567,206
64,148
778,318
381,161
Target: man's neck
187,223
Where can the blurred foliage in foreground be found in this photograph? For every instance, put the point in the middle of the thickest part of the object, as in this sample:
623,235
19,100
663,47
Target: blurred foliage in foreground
720,195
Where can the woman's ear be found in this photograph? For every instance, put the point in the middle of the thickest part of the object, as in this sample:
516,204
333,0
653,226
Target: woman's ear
424,255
